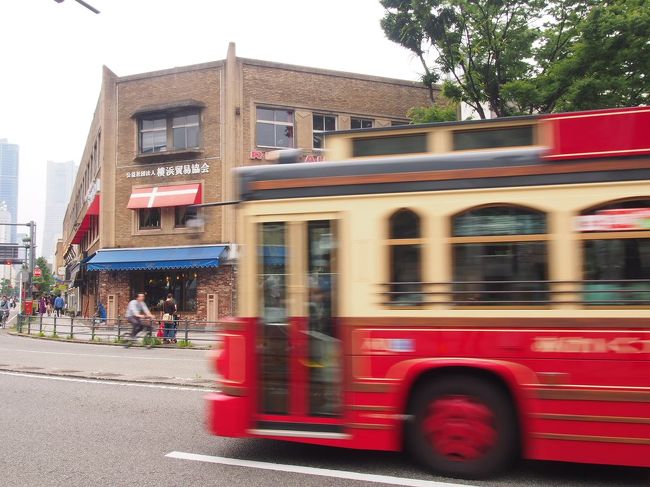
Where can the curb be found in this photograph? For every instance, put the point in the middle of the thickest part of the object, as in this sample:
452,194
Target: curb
198,348
112,379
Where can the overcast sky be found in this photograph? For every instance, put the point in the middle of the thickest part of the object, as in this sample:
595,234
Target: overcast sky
52,54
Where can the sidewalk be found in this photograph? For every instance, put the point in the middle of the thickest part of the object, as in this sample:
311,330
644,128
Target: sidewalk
182,367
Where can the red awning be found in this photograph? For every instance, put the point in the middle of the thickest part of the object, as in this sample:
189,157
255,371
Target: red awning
84,226
162,196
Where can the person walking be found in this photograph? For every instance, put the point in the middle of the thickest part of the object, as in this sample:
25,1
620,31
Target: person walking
59,304
42,305
169,318
49,302
136,311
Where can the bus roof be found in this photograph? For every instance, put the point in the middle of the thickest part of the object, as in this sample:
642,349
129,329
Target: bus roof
430,172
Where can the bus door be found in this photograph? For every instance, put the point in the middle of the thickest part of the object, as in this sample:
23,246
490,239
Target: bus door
299,356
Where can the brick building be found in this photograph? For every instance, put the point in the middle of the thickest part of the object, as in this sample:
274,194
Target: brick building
164,140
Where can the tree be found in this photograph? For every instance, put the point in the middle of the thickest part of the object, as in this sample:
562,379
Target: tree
6,288
433,113
45,282
526,56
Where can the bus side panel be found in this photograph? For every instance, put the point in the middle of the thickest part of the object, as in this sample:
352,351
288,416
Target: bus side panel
585,391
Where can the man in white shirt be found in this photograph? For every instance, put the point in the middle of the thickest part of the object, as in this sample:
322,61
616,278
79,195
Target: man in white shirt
135,312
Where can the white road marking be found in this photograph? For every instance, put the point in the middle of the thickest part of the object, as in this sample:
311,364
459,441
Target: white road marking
104,382
321,472
95,355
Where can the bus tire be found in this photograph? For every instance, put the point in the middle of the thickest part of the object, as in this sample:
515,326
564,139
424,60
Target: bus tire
463,426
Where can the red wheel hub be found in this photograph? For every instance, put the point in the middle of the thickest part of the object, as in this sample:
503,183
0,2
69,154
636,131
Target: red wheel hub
459,427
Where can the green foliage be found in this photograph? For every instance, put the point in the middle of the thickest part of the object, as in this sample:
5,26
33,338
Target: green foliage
151,341
6,288
45,282
526,56
433,113
41,334
185,344
55,336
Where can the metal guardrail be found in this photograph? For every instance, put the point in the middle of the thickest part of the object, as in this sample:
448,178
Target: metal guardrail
186,333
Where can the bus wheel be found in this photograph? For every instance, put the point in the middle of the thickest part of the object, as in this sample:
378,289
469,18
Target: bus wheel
463,427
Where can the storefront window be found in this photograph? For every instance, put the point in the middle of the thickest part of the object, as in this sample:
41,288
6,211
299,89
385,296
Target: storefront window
499,256
157,285
616,253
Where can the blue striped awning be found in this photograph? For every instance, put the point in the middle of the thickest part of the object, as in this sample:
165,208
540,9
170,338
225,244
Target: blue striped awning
154,258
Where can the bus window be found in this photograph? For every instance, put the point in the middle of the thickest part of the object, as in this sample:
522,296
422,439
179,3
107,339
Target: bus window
405,251
616,253
273,335
324,345
499,256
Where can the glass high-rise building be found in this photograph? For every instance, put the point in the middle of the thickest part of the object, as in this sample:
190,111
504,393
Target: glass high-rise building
58,187
9,181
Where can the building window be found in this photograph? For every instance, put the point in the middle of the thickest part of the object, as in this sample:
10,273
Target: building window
184,214
493,138
499,256
274,127
322,123
153,135
400,144
180,131
616,253
185,131
361,123
157,285
149,218
405,253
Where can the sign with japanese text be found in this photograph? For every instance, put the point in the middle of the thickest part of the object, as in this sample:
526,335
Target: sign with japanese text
259,155
169,171
615,220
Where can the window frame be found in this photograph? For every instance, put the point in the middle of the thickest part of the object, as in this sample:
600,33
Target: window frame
184,225
482,130
142,131
543,238
361,120
314,132
582,237
140,228
390,243
275,123
169,130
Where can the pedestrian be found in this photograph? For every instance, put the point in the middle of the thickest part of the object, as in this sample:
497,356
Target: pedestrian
59,304
4,311
136,311
169,318
49,302
101,312
42,305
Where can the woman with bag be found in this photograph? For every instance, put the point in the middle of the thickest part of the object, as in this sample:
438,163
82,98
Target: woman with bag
169,312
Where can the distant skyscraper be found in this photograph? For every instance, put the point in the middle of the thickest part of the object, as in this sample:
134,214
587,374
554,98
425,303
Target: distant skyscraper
9,181
60,178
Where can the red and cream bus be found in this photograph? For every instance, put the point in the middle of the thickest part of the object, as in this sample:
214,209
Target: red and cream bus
471,306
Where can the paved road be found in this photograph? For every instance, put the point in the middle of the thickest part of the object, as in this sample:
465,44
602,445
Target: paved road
63,431
178,366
